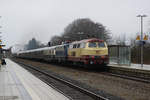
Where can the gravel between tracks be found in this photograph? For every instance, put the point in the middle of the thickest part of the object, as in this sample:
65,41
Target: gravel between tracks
127,89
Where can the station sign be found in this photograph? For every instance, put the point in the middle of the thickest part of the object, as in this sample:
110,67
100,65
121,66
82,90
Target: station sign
145,37
139,38
142,42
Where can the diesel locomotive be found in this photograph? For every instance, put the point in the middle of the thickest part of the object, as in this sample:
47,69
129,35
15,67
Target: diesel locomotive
85,52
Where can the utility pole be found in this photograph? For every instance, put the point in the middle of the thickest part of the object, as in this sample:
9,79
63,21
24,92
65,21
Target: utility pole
141,16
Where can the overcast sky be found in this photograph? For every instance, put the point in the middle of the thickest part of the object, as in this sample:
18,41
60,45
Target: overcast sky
23,19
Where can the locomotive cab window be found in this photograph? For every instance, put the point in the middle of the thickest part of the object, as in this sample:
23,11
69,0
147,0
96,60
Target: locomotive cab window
82,45
70,46
74,46
78,45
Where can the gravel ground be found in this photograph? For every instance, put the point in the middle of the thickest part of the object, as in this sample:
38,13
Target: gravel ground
127,89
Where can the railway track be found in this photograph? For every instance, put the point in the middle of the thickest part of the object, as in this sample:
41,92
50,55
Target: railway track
124,76
74,92
134,78
76,75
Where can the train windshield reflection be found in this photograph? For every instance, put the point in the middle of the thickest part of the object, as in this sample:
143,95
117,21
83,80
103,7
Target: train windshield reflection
92,44
101,44
95,44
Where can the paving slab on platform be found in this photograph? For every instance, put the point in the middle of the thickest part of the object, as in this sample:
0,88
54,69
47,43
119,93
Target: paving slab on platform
16,83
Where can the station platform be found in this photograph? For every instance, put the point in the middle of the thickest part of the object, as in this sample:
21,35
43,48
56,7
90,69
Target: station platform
133,67
16,83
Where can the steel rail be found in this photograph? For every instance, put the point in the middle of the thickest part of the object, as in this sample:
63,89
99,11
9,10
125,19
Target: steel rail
127,77
85,91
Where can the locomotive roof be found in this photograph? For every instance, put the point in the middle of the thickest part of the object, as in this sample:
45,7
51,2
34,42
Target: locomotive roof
89,40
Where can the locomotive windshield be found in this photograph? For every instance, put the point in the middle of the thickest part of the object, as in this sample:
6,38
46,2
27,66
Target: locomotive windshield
96,44
101,44
92,44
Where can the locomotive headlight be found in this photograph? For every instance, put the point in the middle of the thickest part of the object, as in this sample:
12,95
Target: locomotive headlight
92,57
103,57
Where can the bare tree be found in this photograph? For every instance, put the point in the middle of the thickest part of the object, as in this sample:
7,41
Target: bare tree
82,29
56,40
85,28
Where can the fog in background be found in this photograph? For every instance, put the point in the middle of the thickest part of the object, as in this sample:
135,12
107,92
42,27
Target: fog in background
23,19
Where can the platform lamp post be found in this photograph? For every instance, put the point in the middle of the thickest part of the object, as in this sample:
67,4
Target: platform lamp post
141,16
